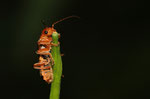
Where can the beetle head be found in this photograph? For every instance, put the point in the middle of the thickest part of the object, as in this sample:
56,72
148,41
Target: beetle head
48,31
46,35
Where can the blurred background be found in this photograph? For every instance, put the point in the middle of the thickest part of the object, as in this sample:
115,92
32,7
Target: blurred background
107,51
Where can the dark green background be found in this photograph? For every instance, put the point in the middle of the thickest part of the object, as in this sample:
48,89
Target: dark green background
107,51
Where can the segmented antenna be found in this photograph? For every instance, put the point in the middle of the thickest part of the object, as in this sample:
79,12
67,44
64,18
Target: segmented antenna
64,19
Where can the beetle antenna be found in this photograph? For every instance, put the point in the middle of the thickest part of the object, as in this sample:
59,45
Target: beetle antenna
64,19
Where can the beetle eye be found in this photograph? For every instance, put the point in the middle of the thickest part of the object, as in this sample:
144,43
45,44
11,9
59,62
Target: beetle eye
45,32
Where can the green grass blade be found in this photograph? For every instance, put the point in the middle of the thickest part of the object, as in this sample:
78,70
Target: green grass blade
57,68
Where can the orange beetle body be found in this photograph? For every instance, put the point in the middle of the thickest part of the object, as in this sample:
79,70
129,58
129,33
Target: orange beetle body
46,61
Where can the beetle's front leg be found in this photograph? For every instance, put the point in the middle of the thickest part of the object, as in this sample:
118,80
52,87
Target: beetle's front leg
55,44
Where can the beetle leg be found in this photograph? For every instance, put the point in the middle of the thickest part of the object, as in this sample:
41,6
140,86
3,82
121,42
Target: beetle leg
43,61
61,54
42,67
62,76
51,58
58,35
47,75
48,61
55,44
50,55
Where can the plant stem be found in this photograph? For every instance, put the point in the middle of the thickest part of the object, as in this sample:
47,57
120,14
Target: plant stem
57,68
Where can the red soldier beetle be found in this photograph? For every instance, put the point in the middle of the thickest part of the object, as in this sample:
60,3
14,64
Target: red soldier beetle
46,60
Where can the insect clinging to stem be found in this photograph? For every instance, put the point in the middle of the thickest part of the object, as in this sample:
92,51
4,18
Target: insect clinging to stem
46,61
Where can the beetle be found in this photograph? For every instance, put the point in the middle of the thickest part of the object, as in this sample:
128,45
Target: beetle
45,44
